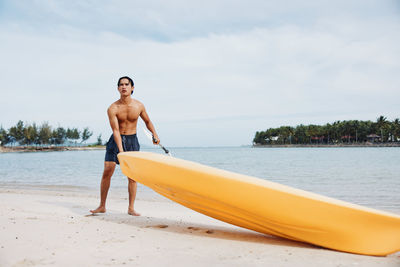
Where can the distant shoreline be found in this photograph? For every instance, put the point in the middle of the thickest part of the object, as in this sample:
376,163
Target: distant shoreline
48,148
331,145
89,148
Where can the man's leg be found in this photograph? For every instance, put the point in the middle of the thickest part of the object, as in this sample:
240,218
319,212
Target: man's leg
132,186
109,167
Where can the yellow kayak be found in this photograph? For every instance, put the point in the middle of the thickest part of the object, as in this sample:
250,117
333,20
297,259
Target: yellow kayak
265,206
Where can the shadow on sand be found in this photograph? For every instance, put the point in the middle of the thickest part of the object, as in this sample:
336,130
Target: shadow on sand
186,228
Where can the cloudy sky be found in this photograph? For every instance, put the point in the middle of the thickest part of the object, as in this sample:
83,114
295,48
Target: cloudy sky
210,73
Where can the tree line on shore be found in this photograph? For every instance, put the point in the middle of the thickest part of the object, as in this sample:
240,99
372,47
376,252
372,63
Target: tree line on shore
348,131
44,134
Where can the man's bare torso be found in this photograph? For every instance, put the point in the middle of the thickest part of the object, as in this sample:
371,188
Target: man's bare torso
127,115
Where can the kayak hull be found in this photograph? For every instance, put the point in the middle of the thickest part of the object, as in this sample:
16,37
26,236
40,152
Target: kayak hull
265,206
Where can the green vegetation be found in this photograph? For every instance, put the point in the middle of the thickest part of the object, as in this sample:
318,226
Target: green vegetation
339,132
32,134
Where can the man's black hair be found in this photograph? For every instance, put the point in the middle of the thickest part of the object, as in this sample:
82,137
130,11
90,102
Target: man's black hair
129,79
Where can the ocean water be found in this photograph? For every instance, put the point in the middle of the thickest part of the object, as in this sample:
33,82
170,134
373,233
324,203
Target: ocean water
365,176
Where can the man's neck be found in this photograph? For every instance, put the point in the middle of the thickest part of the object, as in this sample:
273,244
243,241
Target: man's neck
125,100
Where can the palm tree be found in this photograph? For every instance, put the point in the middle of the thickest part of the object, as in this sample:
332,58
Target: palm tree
312,131
5,138
30,134
45,133
396,129
17,132
300,133
86,134
381,123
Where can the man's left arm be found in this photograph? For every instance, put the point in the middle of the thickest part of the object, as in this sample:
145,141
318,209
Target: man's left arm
145,117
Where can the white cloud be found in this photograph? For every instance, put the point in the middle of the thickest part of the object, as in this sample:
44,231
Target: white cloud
177,19
210,89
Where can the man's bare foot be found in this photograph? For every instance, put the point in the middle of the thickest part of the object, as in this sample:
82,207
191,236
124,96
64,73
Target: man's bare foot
133,212
99,210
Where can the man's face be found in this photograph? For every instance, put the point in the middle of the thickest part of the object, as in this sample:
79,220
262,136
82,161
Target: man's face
125,88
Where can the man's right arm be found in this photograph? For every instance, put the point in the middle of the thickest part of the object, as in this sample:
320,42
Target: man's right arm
112,116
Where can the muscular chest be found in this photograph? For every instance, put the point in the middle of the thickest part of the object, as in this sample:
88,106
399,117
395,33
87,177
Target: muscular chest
128,113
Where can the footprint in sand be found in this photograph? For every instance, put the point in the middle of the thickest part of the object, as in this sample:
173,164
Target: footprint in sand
161,226
157,226
193,228
209,231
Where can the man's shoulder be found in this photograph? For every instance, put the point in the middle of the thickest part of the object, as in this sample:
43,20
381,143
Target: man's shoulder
113,108
113,105
137,104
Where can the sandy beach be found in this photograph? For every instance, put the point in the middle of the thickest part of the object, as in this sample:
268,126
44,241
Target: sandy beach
53,227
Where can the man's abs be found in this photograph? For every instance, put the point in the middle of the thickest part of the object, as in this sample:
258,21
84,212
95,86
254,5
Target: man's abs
127,127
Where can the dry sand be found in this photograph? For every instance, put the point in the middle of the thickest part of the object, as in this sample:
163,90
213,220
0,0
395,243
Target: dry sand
53,227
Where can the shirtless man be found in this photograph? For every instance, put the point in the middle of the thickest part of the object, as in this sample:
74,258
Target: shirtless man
123,115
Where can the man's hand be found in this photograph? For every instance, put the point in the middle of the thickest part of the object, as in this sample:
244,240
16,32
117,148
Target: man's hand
156,141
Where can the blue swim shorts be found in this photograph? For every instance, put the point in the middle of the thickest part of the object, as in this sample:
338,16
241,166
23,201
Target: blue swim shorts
129,143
